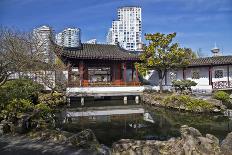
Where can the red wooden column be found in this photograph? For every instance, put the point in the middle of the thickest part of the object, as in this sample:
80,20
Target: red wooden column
69,74
119,71
85,72
132,72
124,74
81,71
112,72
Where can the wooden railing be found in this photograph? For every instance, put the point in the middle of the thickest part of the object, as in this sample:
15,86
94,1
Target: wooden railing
104,84
222,84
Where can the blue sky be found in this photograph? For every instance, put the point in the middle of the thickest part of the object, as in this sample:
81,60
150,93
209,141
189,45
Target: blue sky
198,23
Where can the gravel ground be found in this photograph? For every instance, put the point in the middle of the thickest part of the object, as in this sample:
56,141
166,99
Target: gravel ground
22,145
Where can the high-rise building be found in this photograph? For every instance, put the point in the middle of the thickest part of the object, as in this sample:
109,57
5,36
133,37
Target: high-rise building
69,37
43,36
127,30
109,37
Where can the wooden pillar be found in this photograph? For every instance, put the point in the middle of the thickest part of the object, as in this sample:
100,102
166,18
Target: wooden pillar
184,74
210,76
228,75
112,72
81,71
124,76
119,72
69,74
85,72
132,72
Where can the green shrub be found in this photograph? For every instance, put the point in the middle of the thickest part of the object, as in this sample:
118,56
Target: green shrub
183,84
222,96
18,89
198,105
176,101
44,110
52,100
17,107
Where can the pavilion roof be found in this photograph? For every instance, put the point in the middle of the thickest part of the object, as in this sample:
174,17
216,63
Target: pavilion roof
216,60
97,51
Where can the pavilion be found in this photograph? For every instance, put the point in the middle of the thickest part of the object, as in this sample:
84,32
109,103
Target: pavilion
100,70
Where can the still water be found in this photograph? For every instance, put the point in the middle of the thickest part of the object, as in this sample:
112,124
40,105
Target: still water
111,120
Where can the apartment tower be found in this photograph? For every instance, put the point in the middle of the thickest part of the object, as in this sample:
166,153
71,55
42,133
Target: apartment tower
127,30
69,37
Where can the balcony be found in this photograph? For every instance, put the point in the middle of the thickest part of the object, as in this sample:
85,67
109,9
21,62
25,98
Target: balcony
116,83
222,85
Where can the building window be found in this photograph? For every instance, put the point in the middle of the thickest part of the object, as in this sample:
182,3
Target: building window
173,76
195,74
218,74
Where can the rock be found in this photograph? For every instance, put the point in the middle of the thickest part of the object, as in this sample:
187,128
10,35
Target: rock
217,103
213,138
84,139
1,129
191,142
189,131
226,145
24,124
5,127
104,150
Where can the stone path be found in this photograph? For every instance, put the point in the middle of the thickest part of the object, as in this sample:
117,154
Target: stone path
21,145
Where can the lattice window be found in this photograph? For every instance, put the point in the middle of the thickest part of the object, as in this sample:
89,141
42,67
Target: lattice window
195,74
218,74
173,75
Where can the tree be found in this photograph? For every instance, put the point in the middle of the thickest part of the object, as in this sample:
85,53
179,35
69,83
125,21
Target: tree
19,52
162,55
24,54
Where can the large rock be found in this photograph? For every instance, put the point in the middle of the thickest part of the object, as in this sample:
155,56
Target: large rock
226,145
5,127
23,124
84,139
191,142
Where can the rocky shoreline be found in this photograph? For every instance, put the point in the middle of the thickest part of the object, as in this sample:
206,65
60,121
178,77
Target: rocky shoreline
154,99
51,142
191,142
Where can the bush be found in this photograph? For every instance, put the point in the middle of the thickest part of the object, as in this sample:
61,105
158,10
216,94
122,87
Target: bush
183,84
222,96
44,110
52,100
19,89
188,103
16,108
198,104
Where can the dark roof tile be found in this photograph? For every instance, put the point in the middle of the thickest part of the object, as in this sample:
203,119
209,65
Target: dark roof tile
217,60
98,51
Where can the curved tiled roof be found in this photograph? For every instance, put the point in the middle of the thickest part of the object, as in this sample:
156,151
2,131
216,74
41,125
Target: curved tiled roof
217,60
98,51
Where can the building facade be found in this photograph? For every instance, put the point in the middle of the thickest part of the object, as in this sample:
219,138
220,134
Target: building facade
127,30
43,36
210,73
69,37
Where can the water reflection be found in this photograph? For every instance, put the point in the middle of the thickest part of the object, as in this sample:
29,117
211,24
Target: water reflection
112,120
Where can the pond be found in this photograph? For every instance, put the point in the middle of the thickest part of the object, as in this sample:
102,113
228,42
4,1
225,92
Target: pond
111,120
